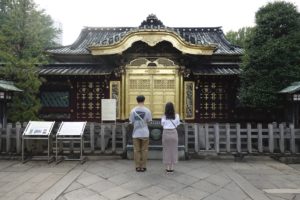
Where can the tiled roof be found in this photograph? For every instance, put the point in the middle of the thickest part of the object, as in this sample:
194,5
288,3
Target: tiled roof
8,86
74,69
94,69
294,87
109,35
216,70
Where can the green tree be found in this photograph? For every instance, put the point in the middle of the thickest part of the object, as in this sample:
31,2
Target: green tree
272,55
25,32
239,37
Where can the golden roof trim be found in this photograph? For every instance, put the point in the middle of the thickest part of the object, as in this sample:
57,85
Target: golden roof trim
152,37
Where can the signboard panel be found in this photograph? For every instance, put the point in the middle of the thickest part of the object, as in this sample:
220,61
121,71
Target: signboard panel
108,109
38,128
71,128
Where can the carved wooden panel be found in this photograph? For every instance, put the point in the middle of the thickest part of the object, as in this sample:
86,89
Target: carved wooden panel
88,100
189,100
115,93
213,100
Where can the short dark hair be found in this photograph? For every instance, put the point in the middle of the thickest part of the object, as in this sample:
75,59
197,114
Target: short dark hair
140,98
170,111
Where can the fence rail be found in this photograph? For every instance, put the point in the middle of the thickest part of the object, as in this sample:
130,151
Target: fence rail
247,139
111,138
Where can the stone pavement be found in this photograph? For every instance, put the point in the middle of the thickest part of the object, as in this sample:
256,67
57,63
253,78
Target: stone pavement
256,178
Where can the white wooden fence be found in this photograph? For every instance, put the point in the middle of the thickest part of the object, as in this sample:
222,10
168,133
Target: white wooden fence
199,138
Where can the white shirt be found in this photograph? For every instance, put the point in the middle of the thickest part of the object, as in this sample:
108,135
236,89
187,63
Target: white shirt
167,123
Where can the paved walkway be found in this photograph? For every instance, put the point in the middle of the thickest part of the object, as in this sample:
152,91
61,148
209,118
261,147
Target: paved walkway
256,178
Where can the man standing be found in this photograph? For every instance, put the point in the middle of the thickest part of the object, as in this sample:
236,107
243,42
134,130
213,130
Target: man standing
139,116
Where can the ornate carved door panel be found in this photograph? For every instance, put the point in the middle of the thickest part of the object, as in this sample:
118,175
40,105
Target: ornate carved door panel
159,84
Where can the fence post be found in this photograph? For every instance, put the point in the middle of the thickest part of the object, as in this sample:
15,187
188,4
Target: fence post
186,137
8,137
113,137
196,137
28,143
102,138
18,137
281,140
238,138
292,140
217,137
227,126
201,136
260,146
271,138
207,145
249,138
92,136
124,138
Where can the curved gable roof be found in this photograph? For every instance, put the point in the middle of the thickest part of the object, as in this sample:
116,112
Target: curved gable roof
110,36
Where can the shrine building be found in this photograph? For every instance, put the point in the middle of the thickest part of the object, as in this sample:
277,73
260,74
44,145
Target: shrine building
196,68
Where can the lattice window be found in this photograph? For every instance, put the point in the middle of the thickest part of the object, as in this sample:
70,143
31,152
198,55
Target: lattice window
55,99
213,100
164,84
139,84
88,97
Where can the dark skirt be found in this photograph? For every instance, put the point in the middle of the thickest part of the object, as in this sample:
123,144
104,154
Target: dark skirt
170,146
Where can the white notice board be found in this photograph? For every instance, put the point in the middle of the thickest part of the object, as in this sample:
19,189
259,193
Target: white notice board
38,128
108,109
71,128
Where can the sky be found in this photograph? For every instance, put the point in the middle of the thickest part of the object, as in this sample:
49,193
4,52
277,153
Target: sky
74,15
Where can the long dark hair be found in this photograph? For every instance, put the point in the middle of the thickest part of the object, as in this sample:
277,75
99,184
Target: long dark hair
170,111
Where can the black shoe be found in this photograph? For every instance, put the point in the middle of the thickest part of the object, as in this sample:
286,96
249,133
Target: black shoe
143,169
138,169
169,170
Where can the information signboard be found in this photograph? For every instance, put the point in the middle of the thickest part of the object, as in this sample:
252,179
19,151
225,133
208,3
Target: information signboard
71,128
38,128
108,109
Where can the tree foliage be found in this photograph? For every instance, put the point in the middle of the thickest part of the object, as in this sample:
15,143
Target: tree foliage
272,55
239,37
25,32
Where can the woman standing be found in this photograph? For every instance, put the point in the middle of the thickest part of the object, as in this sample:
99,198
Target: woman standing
170,121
